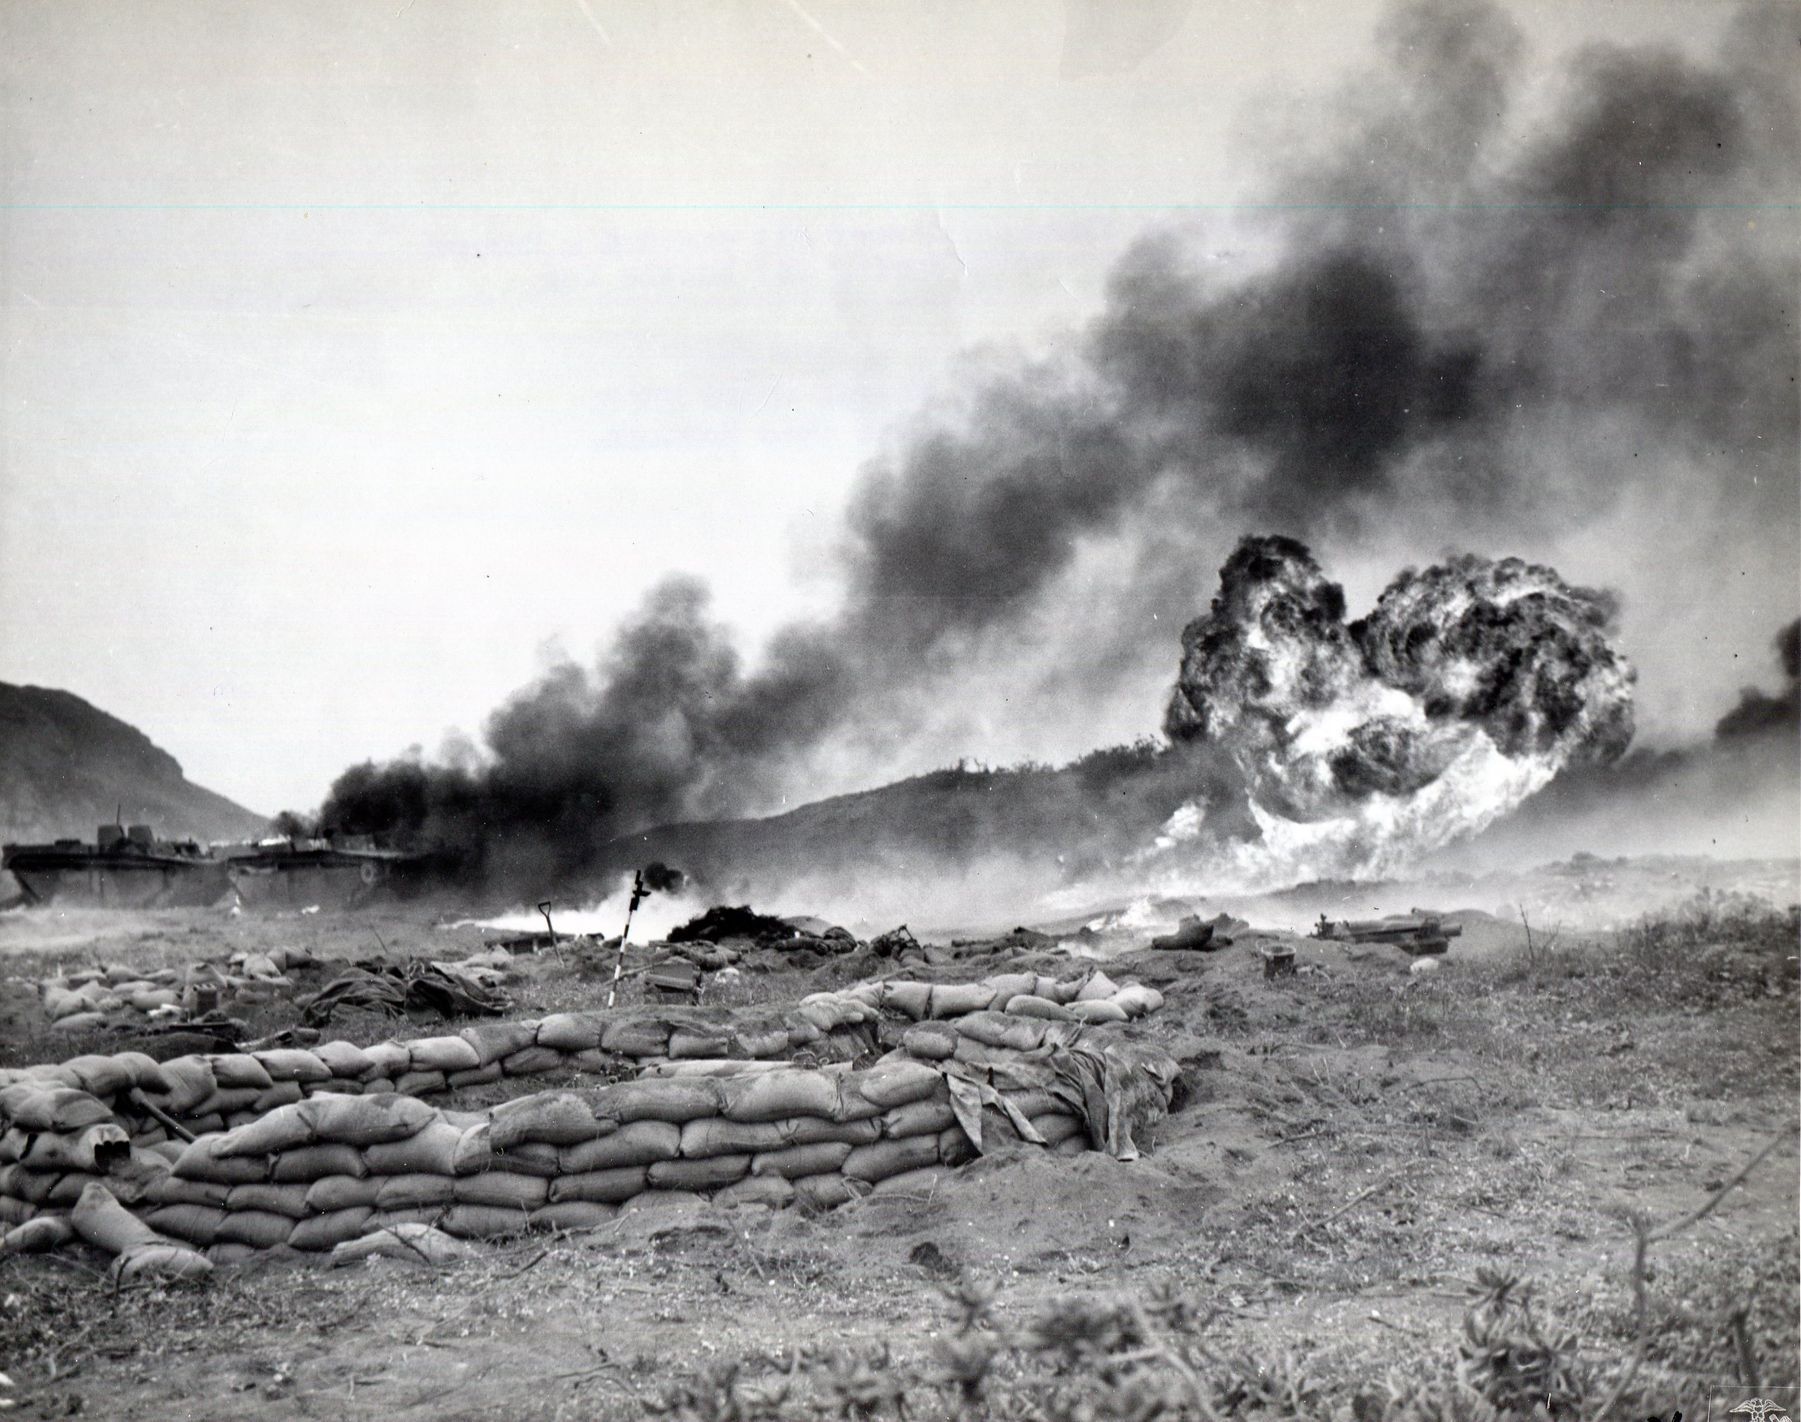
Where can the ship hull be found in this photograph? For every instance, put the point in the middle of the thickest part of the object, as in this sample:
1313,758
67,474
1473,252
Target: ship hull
123,885
325,882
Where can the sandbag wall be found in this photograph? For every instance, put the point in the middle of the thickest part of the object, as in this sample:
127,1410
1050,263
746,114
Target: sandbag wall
325,1173
320,1151
208,1093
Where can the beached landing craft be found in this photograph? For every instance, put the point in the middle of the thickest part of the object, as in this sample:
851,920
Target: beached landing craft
124,868
338,872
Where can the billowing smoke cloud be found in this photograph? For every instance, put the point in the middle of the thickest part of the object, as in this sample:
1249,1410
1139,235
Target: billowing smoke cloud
1757,712
1466,689
1482,306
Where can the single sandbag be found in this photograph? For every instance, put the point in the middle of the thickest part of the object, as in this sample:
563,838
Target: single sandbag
225,1256
1138,1000
38,1236
286,1128
283,1093
929,1041
565,1032
895,1081
495,1041
173,1190
474,1151
673,1099
98,1075
1009,985
259,1228
1098,1011
442,1053
762,1044
718,1135
556,1117
421,1083
388,1059
289,1200
411,1192
960,999
95,1149
235,1070
364,1120
909,999
204,1160
341,1192
530,1158
293,1064
827,1192
636,1143
189,1081
163,1260
1029,1005
432,1150
885,1158
779,1095
1000,1031
609,1187
955,1147
106,1224
918,1118
315,1162
699,1043
771,1190
483,1222
530,1061
820,1158
196,1224
697,1175
419,1243
327,1231
1057,1127
51,1108
344,1060
804,1130
502,1189
1097,988
229,1101
635,1037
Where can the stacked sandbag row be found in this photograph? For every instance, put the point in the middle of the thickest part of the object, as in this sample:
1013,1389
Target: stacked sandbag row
211,1093
1092,999
208,1093
334,1169
58,1140
79,1001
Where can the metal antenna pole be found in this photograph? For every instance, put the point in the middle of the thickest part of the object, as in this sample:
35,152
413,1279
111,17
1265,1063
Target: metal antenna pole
630,908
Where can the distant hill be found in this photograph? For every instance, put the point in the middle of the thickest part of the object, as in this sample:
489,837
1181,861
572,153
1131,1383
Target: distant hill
67,766
957,836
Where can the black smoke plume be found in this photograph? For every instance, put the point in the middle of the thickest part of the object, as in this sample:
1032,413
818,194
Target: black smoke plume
1760,714
1478,310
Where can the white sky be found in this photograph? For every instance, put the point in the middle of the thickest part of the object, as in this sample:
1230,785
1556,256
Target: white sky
353,356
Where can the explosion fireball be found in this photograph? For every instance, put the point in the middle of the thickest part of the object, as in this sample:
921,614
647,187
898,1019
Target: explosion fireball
1362,745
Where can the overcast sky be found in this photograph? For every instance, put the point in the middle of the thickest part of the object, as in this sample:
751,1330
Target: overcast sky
358,359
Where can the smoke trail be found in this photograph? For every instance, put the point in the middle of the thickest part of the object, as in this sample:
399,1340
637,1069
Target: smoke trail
1757,712
1472,313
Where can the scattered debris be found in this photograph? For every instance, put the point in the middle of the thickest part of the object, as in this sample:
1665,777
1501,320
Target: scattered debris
1416,934
412,986
722,922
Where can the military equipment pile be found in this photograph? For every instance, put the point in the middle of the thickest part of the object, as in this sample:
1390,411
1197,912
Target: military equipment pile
178,1166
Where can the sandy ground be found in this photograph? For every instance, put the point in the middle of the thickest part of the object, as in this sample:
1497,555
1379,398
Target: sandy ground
1352,1146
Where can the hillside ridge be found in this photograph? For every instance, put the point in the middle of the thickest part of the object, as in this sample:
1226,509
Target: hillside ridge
67,766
